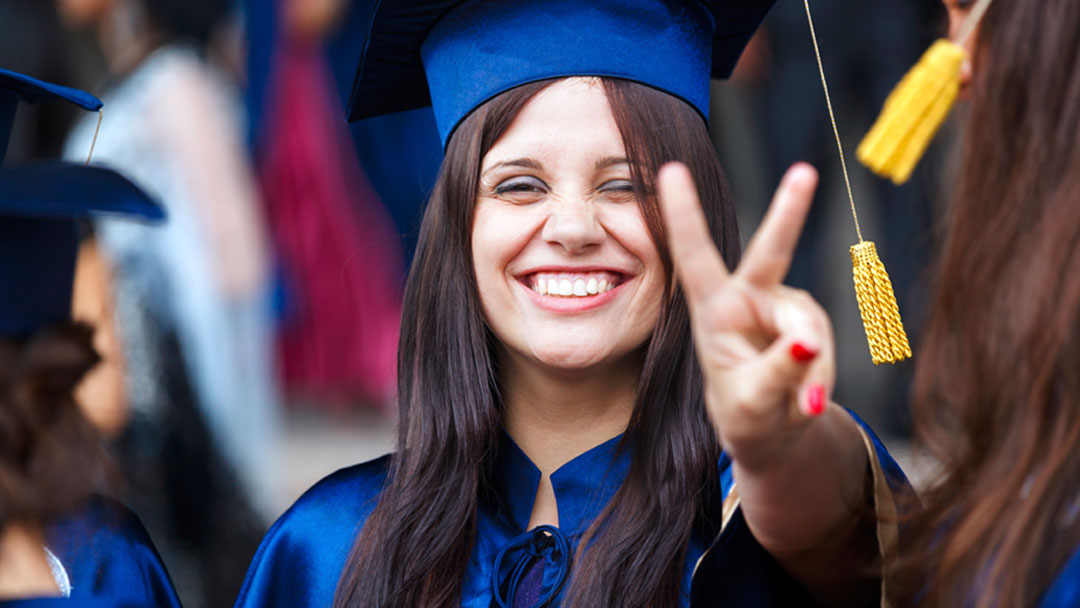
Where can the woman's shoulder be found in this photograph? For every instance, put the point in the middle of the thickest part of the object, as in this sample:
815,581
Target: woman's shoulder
341,496
106,552
300,559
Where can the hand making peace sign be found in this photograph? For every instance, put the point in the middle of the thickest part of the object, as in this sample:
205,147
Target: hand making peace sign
766,350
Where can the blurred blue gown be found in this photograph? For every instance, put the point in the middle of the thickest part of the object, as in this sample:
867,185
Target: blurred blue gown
301,558
107,559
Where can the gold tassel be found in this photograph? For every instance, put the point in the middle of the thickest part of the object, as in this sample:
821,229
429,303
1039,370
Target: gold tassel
877,305
913,113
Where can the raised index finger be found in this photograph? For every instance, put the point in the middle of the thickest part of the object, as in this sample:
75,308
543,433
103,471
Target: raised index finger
768,256
697,262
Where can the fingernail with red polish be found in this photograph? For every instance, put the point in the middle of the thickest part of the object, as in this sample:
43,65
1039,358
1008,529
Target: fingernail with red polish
815,400
801,353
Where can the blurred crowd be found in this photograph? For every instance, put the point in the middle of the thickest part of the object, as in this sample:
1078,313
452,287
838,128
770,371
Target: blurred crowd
275,286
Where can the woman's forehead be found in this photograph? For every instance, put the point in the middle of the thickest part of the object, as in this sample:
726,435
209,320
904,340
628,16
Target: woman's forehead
569,119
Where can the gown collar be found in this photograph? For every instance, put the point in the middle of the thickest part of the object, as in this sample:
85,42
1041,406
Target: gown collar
583,486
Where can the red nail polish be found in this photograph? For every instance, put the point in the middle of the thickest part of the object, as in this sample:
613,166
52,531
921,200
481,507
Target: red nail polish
815,400
801,353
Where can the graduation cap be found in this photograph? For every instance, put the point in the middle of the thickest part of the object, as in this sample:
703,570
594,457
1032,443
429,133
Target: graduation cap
40,204
455,55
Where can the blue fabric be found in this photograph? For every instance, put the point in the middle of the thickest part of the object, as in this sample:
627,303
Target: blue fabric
108,556
301,558
456,55
60,602
1065,591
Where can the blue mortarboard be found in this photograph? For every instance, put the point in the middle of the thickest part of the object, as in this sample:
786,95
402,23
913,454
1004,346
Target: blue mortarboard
39,205
456,55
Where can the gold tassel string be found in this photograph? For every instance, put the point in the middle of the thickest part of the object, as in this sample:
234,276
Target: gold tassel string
916,109
93,142
873,290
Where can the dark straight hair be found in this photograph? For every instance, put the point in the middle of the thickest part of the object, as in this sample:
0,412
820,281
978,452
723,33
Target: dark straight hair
997,396
413,549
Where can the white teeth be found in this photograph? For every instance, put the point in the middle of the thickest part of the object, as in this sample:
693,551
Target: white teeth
573,284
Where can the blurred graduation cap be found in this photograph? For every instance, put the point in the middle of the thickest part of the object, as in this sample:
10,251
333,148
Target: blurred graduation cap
40,204
456,55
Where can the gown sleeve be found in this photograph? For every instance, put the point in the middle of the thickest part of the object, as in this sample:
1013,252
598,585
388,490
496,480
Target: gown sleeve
109,557
737,571
301,558
1064,592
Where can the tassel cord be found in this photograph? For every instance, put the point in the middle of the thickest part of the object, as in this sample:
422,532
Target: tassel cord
93,142
832,119
972,21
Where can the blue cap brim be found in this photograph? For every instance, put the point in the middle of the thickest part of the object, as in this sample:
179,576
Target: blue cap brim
33,90
64,190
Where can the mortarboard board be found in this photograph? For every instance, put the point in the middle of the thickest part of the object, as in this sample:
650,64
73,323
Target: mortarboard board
39,205
456,55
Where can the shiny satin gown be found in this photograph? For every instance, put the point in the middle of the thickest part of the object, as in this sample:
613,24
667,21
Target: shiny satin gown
107,561
301,558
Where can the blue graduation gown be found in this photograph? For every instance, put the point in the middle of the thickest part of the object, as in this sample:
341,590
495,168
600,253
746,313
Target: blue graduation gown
109,559
1065,591
301,559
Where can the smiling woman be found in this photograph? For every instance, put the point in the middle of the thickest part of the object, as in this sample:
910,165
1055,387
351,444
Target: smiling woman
560,436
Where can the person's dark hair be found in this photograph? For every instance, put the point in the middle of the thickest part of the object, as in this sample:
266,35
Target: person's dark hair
51,457
192,20
997,396
413,549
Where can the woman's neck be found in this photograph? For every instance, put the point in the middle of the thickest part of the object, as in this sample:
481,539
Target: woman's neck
24,569
555,415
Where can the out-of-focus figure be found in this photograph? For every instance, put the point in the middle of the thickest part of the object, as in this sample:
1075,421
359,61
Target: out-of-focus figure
60,544
190,304
338,250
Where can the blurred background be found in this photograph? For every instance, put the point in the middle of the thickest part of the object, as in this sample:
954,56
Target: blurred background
250,343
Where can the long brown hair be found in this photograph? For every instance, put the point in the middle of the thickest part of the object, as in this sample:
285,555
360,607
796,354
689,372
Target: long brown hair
51,457
413,549
997,390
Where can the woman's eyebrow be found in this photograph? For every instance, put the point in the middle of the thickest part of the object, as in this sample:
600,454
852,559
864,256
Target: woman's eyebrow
611,161
528,163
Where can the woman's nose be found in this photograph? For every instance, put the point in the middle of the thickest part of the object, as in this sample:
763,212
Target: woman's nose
573,226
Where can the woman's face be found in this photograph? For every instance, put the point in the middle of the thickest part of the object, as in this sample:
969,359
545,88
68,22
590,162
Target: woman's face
568,274
958,11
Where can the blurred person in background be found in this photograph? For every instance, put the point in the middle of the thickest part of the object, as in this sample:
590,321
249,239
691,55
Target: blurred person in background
60,542
338,252
188,306
997,391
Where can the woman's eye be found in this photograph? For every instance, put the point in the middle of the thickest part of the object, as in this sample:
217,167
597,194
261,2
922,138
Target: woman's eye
519,184
618,185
